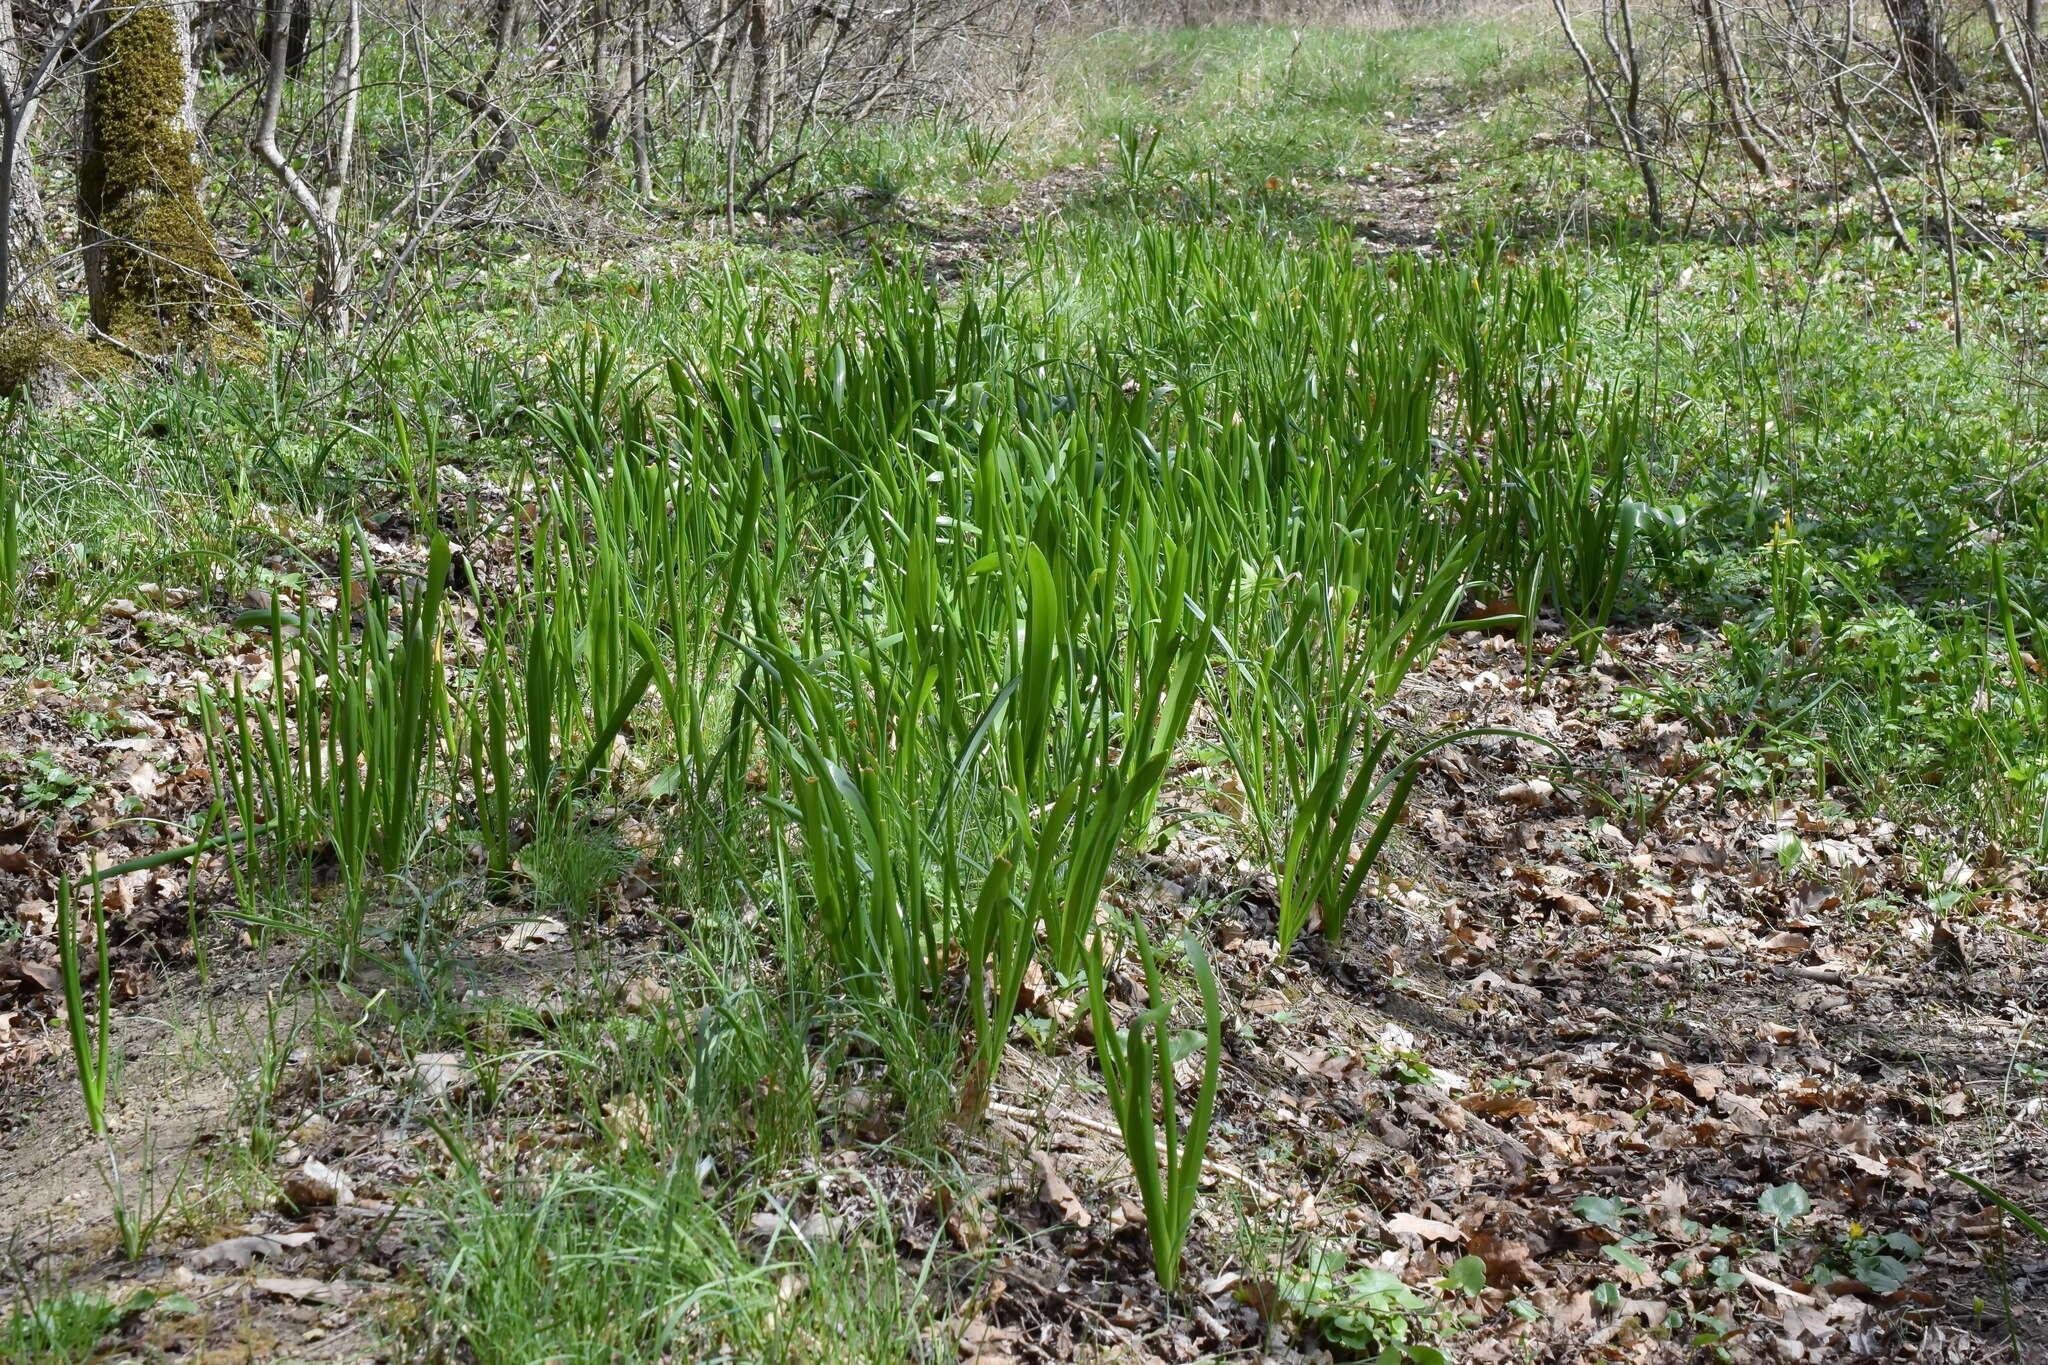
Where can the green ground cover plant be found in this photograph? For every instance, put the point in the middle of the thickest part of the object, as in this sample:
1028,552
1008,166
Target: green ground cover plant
881,625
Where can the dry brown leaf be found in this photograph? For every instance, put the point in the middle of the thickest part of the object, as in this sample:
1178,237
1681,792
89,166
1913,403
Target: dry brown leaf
966,1216
1508,1262
316,1185
985,1344
42,978
144,781
1500,1106
643,995
1786,944
440,1073
1059,1194
304,1290
237,1252
528,934
1428,1229
629,1123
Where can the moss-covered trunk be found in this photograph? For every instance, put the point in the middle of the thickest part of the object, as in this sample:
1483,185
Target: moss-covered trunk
153,272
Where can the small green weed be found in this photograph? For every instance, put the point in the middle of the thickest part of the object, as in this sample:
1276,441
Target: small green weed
1366,1313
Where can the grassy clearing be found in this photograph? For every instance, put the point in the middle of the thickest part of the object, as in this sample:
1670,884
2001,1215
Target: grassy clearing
844,639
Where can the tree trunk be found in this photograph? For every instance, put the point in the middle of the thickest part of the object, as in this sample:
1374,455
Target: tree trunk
2017,68
1934,75
757,130
298,33
1721,54
153,274
1626,120
642,123
25,291
228,34
601,94
33,339
504,137
504,23
334,267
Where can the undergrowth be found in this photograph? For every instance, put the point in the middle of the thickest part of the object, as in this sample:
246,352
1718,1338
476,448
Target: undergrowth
873,616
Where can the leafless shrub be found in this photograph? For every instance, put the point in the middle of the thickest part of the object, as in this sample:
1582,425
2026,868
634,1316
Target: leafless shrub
1787,107
387,132
1351,14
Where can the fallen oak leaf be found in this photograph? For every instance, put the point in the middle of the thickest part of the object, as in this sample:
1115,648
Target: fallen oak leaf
1212,1165
315,1185
440,1073
236,1252
1772,1286
304,1290
1786,944
1428,1229
1500,1106
1650,1312
643,995
528,934
984,1344
42,978
1508,1262
1059,1194
144,781
966,1217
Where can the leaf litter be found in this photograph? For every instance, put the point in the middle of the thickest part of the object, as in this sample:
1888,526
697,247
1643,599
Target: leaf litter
1600,1018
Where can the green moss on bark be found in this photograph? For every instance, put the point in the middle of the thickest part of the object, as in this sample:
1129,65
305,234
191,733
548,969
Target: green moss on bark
39,358
159,281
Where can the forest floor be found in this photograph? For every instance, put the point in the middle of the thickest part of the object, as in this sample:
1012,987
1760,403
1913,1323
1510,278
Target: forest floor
1591,1057
1679,1041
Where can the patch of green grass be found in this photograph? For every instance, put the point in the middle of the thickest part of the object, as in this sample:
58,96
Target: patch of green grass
1252,101
1258,119
639,1263
668,1222
57,1327
1821,380
1853,499
45,1327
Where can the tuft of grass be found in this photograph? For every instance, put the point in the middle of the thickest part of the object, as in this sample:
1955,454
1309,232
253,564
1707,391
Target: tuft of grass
47,1328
